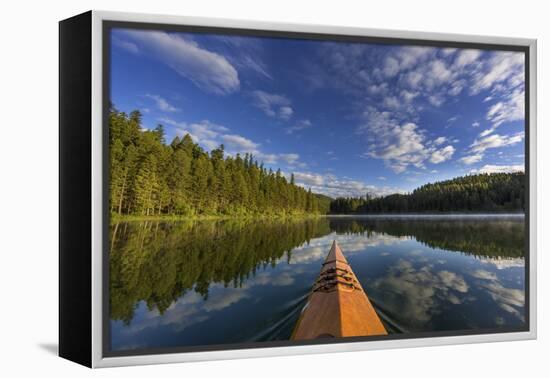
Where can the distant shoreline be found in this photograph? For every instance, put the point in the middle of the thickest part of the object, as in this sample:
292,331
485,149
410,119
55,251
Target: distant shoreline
430,215
135,218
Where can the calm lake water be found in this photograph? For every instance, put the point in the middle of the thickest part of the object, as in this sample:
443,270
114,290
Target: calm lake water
176,284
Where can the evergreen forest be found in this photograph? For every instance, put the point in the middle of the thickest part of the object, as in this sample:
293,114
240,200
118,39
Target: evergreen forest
150,177
496,192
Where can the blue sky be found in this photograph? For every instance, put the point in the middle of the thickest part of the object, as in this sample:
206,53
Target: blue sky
345,118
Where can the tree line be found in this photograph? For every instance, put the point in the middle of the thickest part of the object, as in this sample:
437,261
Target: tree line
497,192
150,177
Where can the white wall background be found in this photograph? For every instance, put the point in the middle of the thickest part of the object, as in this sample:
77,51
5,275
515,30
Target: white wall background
28,186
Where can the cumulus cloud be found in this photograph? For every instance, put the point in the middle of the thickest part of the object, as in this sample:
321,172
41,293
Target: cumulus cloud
466,57
208,70
421,78
162,104
424,77
439,156
334,186
401,145
273,105
239,143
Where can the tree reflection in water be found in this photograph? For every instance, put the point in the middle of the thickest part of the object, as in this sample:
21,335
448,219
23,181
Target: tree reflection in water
159,262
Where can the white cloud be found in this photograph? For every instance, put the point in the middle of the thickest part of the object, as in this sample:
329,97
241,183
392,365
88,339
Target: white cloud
502,67
245,53
413,79
208,70
439,73
489,168
204,132
512,108
289,158
417,293
410,56
309,179
255,65
424,77
444,154
392,102
239,143
456,87
285,112
471,159
436,100
128,46
475,124
484,275
391,67
486,132
273,105
466,57
400,146
207,129
300,125
210,136
495,141
162,103
508,299
408,96
448,51
334,186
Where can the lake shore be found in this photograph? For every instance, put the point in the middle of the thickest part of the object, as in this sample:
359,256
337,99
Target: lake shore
135,218
132,218
428,215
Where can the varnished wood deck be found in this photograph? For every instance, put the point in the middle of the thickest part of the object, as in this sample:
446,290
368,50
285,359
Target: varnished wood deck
337,305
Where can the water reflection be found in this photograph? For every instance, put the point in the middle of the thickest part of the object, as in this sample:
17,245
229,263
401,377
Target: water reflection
158,262
503,237
200,283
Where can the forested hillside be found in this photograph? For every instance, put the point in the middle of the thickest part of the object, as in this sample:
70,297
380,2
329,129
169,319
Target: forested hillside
150,177
497,192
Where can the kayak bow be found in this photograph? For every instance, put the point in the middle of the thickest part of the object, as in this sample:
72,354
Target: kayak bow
337,305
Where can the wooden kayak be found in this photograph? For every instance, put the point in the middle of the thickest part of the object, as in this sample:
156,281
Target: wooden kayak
337,305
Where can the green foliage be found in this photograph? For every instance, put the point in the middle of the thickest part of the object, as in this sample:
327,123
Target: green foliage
152,178
497,192
158,262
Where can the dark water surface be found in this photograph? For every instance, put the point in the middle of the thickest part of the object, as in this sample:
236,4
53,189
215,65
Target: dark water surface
176,284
